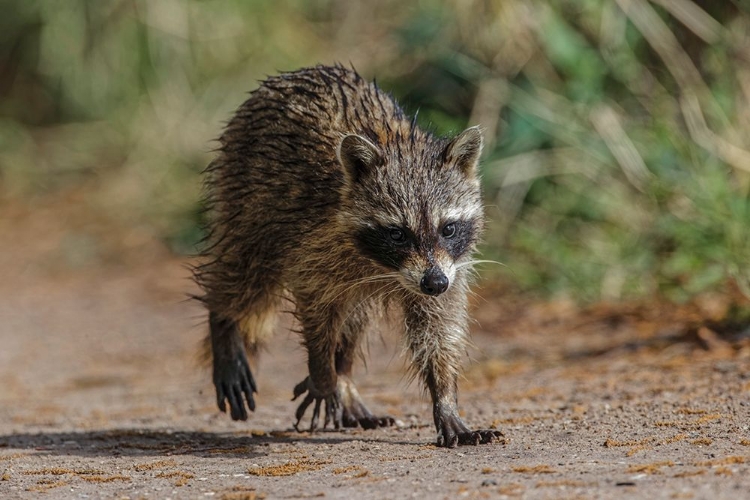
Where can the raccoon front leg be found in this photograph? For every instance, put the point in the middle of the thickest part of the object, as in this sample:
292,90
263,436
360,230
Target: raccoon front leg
232,376
437,330
451,429
320,339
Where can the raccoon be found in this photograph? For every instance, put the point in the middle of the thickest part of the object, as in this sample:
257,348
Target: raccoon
323,191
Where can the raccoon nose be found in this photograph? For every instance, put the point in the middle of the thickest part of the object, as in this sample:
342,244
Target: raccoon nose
434,282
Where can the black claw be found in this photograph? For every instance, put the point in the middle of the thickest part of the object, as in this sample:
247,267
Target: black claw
233,411
372,422
368,423
300,389
453,442
452,432
493,435
315,415
468,438
220,396
337,412
241,403
236,404
251,380
301,409
248,392
472,438
386,421
229,396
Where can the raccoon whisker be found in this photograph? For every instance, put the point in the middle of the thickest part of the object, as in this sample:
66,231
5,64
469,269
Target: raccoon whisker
412,291
388,294
472,262
362,281
371,279
376,277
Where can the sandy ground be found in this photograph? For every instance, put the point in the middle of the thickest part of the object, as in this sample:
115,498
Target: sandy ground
102,396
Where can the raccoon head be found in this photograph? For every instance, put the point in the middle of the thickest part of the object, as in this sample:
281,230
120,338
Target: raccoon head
414,206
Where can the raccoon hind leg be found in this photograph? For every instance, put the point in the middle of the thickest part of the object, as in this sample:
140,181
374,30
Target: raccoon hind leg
355,412
231,342
232,376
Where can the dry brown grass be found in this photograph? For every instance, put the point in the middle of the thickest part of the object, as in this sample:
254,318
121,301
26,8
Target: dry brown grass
105,479
61,471
732,460
46,484
288,469
159,464
536,469
652,468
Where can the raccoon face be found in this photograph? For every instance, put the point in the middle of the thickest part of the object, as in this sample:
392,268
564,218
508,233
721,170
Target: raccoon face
418,211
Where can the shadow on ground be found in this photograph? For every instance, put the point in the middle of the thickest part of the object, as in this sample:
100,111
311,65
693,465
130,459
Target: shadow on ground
145,442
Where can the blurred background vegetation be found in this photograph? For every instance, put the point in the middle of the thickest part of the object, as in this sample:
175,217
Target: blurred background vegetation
618,131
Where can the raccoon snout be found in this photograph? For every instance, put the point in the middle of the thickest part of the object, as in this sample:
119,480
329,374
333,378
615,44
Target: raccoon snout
434,282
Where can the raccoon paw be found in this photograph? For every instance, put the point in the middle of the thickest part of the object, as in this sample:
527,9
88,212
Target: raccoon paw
232,379
452,432
332,406
354,410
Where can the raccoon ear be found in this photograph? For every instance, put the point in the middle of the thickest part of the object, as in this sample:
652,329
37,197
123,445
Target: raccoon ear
464,150
358,156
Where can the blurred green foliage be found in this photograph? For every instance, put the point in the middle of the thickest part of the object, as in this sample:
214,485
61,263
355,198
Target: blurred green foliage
618,131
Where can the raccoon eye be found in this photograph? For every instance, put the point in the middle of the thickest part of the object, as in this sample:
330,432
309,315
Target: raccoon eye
397,236
449,230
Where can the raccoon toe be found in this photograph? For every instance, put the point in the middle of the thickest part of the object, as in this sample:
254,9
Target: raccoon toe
373,422
452,439
235,384
355,413
479,437
333,409
360,416
453,432
332,412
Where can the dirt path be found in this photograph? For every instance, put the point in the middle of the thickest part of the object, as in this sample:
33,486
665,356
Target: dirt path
101,396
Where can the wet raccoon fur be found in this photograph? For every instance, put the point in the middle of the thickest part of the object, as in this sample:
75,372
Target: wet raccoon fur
325,192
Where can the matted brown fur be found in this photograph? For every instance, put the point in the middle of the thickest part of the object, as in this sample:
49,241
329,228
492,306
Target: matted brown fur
325,192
